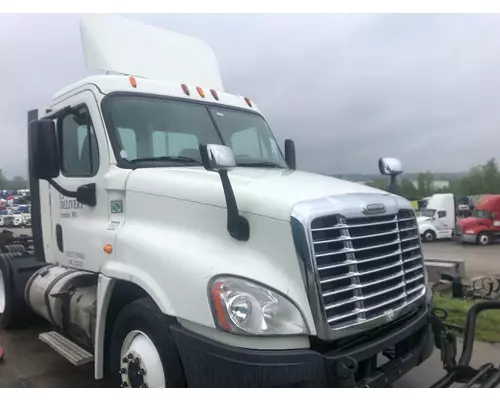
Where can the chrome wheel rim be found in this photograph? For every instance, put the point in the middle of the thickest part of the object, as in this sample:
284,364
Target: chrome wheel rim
140,362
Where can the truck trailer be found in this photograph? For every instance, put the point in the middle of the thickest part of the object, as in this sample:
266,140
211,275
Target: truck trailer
175,244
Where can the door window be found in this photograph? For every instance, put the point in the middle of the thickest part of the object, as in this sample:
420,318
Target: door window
79,152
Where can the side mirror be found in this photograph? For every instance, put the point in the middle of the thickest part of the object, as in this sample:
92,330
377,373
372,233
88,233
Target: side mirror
43,149
290,154
220,159
216,157
391,167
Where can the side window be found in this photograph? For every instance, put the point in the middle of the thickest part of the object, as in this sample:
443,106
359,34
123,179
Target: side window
494,215
78,144
129,143
248,143
441,214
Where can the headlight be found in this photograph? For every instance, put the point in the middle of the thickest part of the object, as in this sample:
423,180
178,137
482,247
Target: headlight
244,307
469,232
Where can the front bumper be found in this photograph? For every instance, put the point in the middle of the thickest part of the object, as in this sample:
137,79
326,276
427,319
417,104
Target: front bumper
211,364
468,238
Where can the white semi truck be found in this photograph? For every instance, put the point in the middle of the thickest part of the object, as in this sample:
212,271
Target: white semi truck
437,220
175,244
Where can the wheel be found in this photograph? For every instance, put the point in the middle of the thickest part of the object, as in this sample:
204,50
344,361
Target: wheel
6,303
3,295
484,239
14,312
143,352
429,236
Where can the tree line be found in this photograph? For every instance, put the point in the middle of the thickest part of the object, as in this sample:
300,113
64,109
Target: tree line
481,179
16,183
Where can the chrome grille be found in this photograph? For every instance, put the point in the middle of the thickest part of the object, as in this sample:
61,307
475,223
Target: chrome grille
367,266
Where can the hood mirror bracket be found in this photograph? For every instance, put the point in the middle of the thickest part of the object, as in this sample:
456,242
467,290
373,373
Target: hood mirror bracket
220,159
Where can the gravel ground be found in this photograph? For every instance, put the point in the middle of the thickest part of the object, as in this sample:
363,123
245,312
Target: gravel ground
479,260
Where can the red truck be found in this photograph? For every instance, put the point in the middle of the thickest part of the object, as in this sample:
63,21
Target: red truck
484,224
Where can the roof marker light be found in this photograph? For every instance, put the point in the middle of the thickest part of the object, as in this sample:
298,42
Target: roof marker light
185,88
200,91
133,82
248,101
214,93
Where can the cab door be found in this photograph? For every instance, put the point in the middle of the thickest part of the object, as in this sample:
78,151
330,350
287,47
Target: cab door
84,159
443,224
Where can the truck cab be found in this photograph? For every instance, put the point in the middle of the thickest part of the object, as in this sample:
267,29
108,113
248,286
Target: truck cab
437,220
176,243
484,225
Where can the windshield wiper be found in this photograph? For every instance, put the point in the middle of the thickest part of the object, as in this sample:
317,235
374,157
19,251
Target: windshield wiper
260,164
168,158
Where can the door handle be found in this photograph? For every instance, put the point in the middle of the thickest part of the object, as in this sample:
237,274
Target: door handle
59,238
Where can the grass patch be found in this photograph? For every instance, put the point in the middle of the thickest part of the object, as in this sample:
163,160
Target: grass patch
487,324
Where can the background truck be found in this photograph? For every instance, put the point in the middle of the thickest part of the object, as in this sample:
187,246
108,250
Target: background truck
464,206
437,220
484,225
252,274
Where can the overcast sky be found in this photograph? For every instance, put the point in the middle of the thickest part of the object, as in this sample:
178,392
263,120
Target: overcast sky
347,88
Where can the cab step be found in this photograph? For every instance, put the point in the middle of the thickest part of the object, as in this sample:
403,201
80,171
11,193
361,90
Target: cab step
66,348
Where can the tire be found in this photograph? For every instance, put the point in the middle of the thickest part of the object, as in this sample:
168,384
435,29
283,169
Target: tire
429,236
4,303
143,352
14,312
484,239
10,312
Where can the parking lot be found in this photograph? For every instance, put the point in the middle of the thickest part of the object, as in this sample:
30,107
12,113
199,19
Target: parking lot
479,260
30,363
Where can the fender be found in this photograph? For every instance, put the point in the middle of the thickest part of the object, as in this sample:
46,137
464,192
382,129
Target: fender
427,226
165,260
113,272
105,287
476,229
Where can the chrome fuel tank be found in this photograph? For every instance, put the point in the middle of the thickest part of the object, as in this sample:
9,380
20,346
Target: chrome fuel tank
66,297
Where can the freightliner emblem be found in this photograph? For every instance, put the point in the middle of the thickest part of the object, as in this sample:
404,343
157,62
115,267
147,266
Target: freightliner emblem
376,208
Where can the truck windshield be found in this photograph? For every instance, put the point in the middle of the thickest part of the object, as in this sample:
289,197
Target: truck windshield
169,132
481,214
428,212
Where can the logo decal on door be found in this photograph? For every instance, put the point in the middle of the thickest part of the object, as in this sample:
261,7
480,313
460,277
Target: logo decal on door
116,206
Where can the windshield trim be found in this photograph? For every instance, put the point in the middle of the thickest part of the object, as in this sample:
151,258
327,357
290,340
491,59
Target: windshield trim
108,123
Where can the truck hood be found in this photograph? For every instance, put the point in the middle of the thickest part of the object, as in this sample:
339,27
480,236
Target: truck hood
261,191
473,221
421,220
